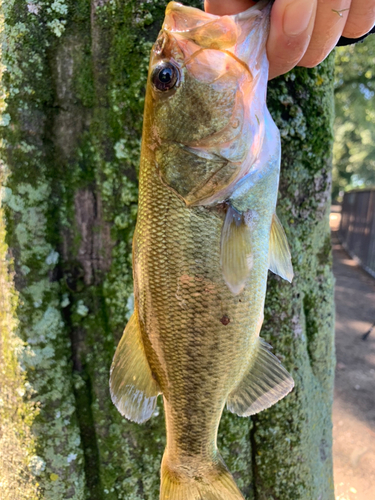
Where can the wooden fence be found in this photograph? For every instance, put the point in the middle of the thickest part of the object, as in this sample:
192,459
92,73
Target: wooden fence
357,227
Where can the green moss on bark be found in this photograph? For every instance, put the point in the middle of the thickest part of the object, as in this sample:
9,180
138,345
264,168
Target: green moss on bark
31,198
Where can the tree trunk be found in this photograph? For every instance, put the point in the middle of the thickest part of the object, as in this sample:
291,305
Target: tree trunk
75,81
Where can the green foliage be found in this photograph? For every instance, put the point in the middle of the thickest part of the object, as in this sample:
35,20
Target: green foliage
354,149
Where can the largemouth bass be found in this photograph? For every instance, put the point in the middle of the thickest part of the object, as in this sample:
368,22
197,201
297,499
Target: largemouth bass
206,235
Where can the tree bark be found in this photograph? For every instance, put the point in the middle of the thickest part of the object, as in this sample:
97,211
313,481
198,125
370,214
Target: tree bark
75,82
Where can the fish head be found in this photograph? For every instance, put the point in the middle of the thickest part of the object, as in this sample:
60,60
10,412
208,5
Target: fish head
199,98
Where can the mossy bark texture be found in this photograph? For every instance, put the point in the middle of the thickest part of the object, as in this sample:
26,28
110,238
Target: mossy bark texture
75,82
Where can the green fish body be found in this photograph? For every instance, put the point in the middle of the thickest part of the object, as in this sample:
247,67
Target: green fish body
205,238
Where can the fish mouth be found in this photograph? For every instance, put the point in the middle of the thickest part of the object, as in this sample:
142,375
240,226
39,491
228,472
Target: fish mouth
196,36
207,31
225,51
217,33
229,34
179,47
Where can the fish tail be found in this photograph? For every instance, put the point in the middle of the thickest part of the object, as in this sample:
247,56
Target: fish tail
185,483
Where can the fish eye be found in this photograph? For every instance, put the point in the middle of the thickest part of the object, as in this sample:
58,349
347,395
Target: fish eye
165,76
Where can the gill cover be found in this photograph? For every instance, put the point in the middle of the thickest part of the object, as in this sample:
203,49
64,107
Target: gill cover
206,128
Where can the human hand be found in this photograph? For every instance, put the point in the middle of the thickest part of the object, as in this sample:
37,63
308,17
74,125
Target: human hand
303,32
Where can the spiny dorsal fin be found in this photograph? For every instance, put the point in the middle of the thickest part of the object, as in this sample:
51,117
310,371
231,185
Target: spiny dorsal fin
134,391
265,383
236,255
279,254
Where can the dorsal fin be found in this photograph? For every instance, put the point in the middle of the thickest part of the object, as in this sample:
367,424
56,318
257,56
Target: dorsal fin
279,254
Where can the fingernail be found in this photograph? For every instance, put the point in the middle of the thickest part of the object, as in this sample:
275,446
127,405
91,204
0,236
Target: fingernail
297,17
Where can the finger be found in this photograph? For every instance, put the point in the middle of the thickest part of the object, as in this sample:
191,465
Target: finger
292,23
224,8
361,18
330,21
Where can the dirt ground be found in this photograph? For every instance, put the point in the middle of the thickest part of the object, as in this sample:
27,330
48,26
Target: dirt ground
354,403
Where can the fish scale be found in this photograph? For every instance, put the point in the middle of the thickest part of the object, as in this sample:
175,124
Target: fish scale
199,323
205,237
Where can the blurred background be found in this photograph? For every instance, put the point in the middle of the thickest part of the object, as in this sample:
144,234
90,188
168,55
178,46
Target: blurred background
353,237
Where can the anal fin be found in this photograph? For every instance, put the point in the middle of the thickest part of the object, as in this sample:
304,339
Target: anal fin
279,254
236,254
133,389
265,383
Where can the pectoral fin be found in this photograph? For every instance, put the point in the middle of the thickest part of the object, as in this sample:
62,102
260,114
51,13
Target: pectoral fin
133,389
279,254
236,255
265,383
